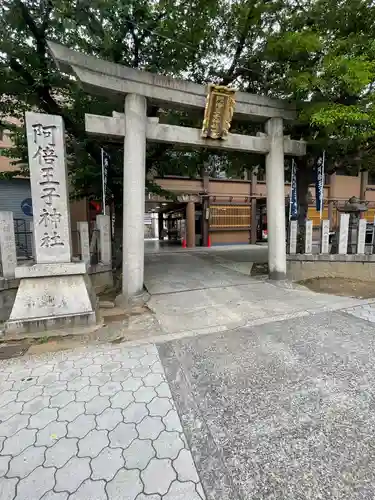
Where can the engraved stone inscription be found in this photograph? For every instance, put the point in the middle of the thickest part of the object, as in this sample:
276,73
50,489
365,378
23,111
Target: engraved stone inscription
308,236
325,236
46,148
362,223
293,237
344,231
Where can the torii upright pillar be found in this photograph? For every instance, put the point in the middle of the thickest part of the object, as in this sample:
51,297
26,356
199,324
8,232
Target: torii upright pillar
133,198
276,200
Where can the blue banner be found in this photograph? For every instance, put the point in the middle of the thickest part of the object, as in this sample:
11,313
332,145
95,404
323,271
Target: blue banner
293,209
105,167
319,183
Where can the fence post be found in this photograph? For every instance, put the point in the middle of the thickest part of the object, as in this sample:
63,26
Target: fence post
361,236
343,233
32,239
293,230
324,240
7,244
103,224
308,236
84,241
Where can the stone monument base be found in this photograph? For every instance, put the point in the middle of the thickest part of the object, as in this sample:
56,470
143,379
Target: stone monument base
52,296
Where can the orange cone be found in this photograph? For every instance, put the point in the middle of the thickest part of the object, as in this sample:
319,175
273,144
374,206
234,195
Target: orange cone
184,243
209,241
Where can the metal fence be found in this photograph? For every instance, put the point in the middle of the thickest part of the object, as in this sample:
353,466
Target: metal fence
24,238
24,242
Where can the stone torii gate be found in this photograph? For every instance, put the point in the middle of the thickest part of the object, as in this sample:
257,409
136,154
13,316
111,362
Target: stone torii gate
138,88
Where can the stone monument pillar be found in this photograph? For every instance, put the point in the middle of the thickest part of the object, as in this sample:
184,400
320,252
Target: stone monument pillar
54,292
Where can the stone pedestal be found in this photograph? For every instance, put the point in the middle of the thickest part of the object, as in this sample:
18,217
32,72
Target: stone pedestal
52,296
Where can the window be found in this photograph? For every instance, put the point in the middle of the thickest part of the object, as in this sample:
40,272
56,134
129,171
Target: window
224,216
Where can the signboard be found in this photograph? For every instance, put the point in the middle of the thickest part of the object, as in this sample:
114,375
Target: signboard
293,207
218,112
319,183
105,167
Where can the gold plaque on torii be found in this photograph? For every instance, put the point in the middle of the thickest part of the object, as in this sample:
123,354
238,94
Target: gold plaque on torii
218,112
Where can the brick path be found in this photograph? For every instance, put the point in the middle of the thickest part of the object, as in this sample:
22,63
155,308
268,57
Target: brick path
95,424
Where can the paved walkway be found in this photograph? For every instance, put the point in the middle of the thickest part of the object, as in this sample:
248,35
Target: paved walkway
212,291
98,424
279,407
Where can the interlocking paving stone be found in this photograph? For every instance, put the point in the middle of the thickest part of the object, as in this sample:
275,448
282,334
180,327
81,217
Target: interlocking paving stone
62,451
139,453
52,432
185,467
109,419
62,399
7,488
163,390
97,405
120,375
110,388
30,393
69,477
150,428
148,497
107,464
17,443
90,490
125,485
168,445
43,418
172,422
122,400
9,410
159,407
132,384
26,462
36,484
182,491
158,476
71,411
135,412
13,425
91,427
4,462
93,443
122,435
51,495
81,426
87,393
35,405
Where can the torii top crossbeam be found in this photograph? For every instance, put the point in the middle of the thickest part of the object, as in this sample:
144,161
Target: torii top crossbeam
110,79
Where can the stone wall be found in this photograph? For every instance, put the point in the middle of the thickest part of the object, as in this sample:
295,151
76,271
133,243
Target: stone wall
303,266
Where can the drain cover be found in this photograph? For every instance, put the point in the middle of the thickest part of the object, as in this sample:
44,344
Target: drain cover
12,350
